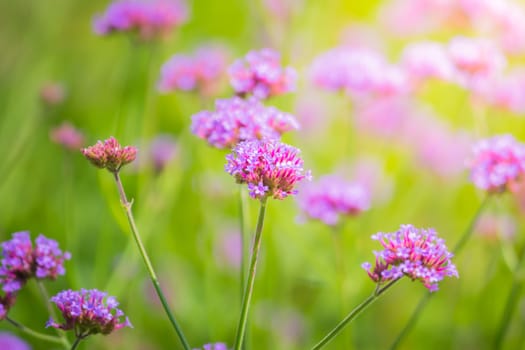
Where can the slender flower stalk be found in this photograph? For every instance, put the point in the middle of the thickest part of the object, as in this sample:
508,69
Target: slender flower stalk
510,306
37,335
127,207
248,290
354,313
426,298
52,313
243,213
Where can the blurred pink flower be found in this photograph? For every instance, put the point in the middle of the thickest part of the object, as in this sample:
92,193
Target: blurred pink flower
10,341
505,92
386,117
67,136
163,150
283,9
424,60
494,227
228,249
52,93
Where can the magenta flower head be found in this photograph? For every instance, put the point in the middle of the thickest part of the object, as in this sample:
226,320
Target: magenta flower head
110,154
21,261
67,136
260,74
236,120
87,313
270,168
331,197
498,163
213,346
416,253
149,19
10,341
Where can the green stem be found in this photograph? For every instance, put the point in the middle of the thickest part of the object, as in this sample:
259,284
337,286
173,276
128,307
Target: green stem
243,211
77,341
35,334
248,290
52,312
147,262
510,306
424,301
353,314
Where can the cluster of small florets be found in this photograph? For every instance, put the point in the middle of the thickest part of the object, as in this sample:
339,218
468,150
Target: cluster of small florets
110,155
331,197
236,120
270,168
148,18
498,162
87,313
260,74
199,71
213,346
21,261
416,253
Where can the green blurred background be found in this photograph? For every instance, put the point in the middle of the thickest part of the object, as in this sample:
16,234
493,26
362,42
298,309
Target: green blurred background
184,212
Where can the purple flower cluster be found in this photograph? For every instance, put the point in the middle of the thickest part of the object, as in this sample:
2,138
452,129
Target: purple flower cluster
22,261
10,341
6,302
416,253
498,162
270,168
148,18
200,71
331,197
260,73
109,154
213,346
87,313
236,120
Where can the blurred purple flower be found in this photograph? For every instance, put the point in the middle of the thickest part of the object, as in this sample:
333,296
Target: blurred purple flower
200,71
236,120
21,261
498,162
149,19
110,155
260,74
163,149
270,168
213,346
10,341
416,253
331,197
68,136
229,248
87,313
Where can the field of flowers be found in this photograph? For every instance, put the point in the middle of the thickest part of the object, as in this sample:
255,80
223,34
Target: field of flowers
266,174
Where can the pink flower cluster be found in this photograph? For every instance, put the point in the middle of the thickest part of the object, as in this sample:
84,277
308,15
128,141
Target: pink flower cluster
270,168
260,74
148,18
331,197
237,119
200,71
416,253
21,261
87,313
68,136
497,163
109,154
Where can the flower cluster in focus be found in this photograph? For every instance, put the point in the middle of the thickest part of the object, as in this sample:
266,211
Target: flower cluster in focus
498,162
331,197
270,168
110,154
236,120
87,313
260,74
148,18
416,253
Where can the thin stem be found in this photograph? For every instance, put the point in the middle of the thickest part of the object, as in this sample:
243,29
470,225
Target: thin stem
52,312
353,314
147,262
243,211
424,300
251,278
35,334
77,341
510,306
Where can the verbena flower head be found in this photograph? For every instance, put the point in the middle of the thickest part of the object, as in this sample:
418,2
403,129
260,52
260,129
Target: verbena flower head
6,302
497,163
88,311
110,154
67,136
417,253
10,341
260,73
149,19
236,120
332,197
21,261
270,168
213,346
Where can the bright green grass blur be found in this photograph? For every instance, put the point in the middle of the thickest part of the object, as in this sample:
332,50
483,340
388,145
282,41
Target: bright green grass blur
183,212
